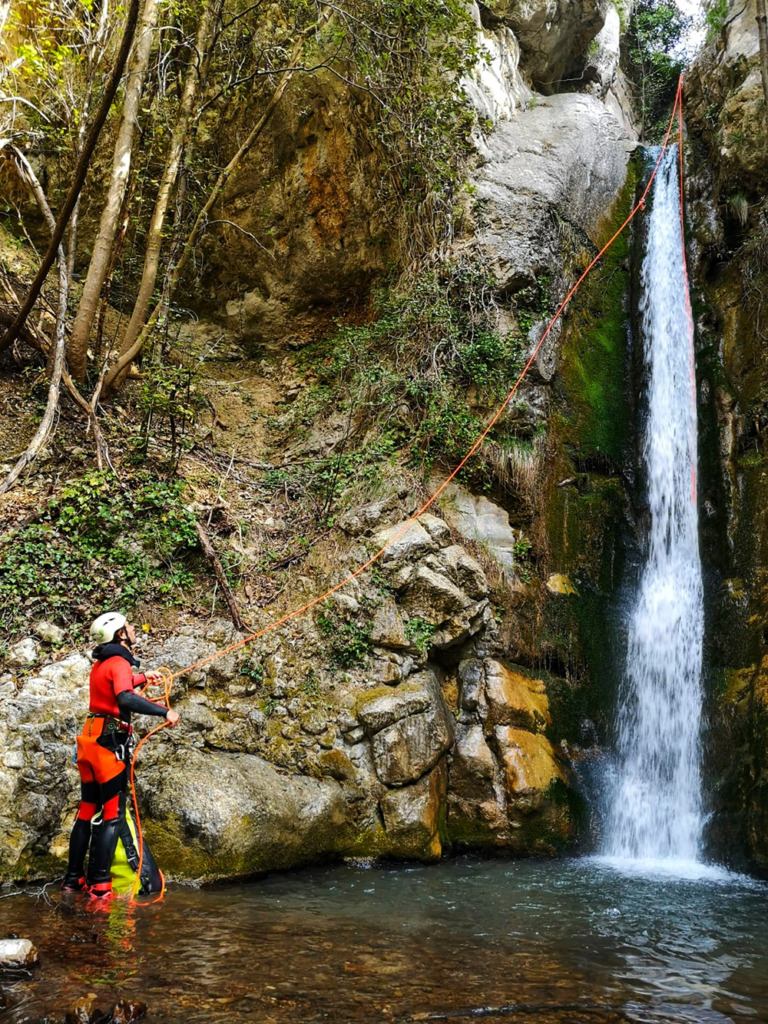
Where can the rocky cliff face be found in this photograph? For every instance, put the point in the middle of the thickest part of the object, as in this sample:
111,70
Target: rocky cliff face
725,114
449,699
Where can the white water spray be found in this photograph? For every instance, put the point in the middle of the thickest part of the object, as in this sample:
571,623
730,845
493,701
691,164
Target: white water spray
655,811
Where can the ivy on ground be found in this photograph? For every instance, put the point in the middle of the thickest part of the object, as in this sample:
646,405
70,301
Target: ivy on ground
97,548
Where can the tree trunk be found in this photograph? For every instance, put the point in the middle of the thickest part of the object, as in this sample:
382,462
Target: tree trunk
81,170
56,358
210,553
762,31
127,354
110,215
192,82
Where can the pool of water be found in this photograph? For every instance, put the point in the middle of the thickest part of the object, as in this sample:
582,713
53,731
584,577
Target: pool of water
505,941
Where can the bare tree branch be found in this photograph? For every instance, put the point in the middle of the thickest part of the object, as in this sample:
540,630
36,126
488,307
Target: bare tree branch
80,173
57,362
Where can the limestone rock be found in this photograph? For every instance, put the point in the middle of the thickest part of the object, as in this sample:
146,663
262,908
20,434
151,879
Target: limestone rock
476,798
471,677
463,570
515,699
432,597
460,627
724,102
568,154
387,629
49,633
603,61
481,520
410,728
387,671
403,752
377,709
225,815
437,528
473,764
414,543
68,675
337,765
17,953
554,35
360,520
530,765
412,815
23,654
496,89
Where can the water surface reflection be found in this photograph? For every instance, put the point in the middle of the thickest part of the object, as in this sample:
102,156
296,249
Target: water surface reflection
505,941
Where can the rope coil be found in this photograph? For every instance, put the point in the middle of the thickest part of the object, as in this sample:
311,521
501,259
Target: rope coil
169,677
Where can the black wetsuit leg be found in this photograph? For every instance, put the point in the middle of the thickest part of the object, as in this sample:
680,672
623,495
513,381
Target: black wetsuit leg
80,838
107,832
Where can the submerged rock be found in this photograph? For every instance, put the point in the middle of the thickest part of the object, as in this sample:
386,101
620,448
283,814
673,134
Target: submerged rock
17,953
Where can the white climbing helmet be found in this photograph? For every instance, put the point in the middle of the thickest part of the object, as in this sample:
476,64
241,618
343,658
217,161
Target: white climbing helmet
105,627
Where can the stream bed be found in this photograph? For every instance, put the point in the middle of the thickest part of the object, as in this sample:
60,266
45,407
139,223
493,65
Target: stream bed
466,939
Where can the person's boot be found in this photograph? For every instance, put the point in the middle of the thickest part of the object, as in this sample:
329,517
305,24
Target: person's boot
103,846
74,879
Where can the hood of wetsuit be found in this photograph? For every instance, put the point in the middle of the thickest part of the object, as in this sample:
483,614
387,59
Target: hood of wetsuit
104,651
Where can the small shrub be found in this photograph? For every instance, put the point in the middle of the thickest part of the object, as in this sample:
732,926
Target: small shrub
97,547
420,634
349,643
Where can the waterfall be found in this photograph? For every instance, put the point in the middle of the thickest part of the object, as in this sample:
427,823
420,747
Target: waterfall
655,810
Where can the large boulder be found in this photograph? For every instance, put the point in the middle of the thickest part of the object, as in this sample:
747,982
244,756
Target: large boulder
477,813
515,699
554,35
412,816
568,154
530,764
213,814
409,726
39,785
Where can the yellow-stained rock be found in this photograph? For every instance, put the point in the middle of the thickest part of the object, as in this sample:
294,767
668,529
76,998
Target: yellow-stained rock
529,763
515,699
559,583
412,815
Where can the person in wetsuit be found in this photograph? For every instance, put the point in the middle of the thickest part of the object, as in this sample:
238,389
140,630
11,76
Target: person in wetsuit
103,751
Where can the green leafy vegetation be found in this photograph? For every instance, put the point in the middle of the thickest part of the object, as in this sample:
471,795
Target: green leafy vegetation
421,377
349,642
96,547
420,634
654,60
714,17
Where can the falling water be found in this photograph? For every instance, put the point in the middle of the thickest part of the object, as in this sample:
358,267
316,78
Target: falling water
655,811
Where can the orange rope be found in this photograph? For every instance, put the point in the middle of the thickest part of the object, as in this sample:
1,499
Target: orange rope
168,677
640,205
167,683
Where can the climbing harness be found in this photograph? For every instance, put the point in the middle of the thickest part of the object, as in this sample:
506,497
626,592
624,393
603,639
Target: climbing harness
169,677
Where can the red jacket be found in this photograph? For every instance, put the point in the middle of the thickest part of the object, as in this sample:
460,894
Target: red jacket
108,678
